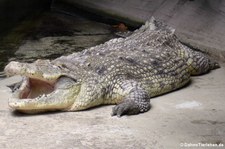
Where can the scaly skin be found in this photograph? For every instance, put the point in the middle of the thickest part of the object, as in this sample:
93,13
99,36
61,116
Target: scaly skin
123,71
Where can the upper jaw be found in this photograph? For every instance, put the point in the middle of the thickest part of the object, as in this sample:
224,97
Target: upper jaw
41,69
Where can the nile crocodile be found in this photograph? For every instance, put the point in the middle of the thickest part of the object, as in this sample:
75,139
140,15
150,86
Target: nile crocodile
123,71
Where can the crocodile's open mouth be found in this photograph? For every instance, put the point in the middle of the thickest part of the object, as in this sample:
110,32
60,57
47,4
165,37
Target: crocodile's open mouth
34,95
33,88
44,87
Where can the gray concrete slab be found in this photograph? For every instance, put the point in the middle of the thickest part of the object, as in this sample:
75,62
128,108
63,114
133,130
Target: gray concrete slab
194,114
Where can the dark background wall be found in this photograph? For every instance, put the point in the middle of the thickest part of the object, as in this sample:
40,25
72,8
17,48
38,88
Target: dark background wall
12,11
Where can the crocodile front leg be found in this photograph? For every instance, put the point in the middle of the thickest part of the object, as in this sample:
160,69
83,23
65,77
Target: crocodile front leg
136,99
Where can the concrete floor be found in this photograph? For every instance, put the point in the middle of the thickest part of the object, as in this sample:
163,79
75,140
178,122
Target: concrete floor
194,114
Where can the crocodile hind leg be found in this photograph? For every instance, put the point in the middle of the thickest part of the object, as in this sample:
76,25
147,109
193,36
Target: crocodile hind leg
200,63
136,100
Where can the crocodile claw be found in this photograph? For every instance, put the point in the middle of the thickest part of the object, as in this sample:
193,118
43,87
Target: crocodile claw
126,107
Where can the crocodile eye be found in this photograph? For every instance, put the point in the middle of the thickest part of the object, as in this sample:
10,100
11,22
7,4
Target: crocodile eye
61,66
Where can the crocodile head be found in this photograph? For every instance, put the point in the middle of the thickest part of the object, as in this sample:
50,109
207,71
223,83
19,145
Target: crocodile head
44,87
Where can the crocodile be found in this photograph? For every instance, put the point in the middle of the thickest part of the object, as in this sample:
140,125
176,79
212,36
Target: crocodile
126,72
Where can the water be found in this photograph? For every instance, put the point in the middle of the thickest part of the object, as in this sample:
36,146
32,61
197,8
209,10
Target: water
51,35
